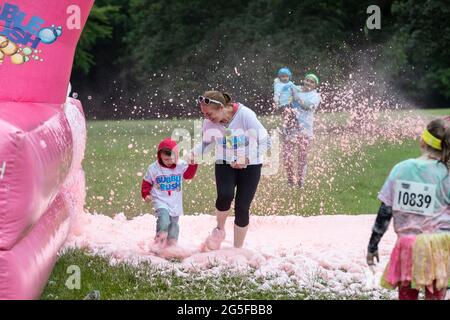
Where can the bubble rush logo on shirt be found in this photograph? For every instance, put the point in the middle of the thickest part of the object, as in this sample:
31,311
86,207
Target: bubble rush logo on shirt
233,141
20,40
169,183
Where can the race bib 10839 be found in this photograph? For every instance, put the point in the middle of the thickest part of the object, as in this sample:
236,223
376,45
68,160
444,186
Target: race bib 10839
414,197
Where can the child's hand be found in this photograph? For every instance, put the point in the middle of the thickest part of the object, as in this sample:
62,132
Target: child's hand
148,198
371,258
190,158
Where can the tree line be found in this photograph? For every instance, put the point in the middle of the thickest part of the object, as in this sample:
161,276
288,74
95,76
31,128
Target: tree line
151,58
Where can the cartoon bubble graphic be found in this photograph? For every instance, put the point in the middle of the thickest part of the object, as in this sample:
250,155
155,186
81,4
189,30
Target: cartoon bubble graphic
26,59
58,31
3,41
49,35
17,59
9,48
27,51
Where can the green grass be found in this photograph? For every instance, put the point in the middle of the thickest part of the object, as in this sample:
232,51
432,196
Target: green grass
119,152
111,166
143,281
437,112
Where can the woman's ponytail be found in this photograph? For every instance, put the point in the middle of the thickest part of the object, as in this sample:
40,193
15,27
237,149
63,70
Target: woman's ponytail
440,129
227,97
445,144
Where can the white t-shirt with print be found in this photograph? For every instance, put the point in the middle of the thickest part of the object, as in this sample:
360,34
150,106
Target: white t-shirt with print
244,136
167,187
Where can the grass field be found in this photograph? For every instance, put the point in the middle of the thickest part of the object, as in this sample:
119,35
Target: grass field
119,152
117,155
123,281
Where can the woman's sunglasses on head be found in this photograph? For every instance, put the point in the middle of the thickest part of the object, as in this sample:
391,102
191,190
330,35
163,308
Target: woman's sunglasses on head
205,100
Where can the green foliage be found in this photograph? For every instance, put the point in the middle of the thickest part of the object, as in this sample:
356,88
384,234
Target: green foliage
118,153
97,27
166,30
165,33
424,34
199,42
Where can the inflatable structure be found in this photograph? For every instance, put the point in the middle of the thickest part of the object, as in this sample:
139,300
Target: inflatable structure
42,139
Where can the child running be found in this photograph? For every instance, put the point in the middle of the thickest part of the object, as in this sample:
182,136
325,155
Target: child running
417,195
162,184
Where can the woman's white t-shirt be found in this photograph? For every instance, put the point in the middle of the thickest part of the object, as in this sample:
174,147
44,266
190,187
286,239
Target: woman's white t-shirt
244,137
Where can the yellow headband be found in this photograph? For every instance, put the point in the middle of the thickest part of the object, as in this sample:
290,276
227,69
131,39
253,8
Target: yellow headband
431,140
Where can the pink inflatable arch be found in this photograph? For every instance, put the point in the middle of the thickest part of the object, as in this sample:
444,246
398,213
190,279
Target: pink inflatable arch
42,139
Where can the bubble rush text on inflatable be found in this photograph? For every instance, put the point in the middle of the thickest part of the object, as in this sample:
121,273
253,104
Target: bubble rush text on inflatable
42,139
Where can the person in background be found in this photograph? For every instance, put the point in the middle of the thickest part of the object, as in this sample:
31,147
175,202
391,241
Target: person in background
297,130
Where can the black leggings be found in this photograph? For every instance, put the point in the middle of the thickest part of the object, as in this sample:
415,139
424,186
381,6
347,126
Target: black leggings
246,180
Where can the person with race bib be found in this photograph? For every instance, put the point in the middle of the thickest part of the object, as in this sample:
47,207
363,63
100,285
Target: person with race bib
240,142
417,196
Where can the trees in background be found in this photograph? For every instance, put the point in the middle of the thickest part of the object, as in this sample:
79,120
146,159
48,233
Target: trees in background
423,35
165,52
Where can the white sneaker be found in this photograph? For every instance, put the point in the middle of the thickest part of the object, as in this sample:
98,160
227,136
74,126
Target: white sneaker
215,239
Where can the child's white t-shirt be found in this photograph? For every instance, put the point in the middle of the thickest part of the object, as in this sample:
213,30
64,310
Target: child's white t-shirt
167,187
